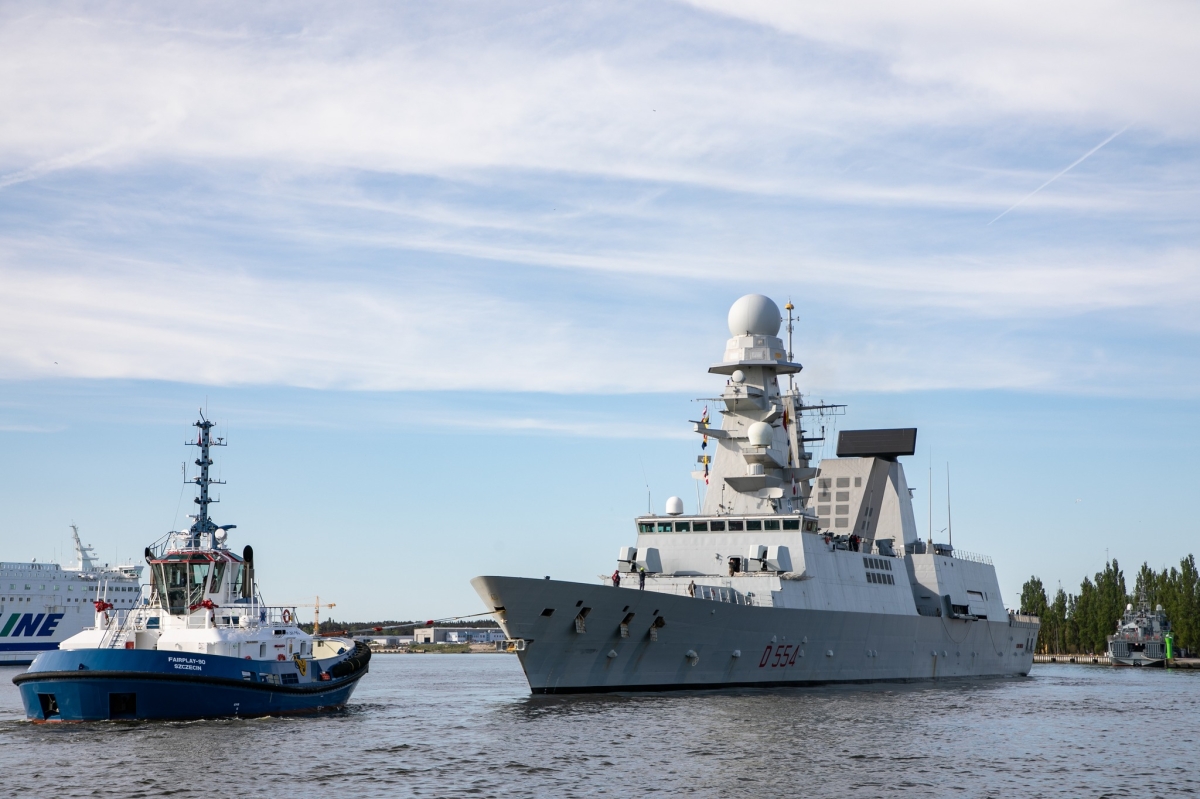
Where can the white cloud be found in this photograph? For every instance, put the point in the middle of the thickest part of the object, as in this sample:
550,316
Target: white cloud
235,196
1090,61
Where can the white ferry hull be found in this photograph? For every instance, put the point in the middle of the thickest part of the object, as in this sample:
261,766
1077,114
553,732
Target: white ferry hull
704,644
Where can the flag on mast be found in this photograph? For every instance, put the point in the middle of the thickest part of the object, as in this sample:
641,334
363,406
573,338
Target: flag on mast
704,440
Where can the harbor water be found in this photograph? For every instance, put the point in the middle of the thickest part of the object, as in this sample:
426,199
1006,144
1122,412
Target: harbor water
466,725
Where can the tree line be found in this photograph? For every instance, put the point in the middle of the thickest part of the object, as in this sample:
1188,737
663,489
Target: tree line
1081,623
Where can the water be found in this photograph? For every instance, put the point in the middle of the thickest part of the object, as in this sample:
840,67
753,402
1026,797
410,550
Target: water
455,725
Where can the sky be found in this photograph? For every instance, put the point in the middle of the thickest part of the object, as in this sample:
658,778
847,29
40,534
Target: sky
449,276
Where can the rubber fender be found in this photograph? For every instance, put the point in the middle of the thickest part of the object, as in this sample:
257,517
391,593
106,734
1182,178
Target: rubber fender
357,661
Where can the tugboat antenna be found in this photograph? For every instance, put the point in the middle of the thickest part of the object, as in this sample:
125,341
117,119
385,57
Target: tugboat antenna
204,441
949,524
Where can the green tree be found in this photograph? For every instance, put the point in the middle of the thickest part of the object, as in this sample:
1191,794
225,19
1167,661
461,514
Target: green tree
1056,622
1033,601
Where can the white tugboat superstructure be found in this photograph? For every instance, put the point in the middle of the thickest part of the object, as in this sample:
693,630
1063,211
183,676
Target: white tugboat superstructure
776,581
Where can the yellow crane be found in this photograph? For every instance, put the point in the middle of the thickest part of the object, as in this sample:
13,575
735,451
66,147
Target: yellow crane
316,606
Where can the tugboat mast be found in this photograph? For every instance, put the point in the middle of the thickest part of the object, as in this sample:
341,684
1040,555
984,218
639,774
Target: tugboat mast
204,440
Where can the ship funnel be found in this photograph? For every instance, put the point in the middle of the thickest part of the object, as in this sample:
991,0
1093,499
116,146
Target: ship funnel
248,577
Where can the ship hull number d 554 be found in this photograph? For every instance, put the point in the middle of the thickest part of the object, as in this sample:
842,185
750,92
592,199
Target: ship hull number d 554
779,656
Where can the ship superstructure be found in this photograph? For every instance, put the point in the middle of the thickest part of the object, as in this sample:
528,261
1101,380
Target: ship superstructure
43,604
202,644
777,580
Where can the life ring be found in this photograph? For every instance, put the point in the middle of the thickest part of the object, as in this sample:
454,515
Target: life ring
281,656
287,617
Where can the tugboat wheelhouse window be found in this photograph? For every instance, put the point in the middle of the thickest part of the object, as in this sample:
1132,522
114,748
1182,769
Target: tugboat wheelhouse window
235,579
218,573
199,581
174,578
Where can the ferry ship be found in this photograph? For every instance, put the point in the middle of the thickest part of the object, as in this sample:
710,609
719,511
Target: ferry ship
204,644
43,604
775,581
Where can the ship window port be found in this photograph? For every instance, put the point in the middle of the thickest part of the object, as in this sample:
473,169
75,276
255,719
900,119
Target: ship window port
734,525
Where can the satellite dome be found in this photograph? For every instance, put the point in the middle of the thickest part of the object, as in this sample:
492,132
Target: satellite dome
754,315
674,506
760,434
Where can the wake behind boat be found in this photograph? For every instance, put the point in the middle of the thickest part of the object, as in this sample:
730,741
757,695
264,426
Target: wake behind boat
205,645
772,583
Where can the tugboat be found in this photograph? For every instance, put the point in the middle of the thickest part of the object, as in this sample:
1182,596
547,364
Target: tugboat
1143,637
202,644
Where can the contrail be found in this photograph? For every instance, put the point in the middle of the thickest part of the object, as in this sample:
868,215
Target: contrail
1074,164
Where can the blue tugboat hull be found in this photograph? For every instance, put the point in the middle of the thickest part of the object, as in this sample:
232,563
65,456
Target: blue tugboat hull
97,685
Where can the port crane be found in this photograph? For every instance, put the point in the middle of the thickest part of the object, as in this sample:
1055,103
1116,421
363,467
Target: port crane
316,606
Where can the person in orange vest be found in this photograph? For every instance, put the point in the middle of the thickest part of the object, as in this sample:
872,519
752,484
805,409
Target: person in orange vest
616,578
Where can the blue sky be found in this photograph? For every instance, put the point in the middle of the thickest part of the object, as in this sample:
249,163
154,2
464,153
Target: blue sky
450,276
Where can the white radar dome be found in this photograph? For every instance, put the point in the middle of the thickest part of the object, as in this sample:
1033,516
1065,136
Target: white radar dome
760,434
674,506
738,376
754,315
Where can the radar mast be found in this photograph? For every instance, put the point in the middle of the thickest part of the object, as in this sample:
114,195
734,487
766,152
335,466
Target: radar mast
204,440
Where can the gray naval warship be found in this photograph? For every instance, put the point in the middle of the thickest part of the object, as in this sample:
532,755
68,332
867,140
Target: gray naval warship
1143,637
778,581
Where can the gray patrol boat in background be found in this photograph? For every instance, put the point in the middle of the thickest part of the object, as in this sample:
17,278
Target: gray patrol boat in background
777,581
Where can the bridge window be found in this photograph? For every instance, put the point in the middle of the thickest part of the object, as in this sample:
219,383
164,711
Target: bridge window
717,527
754,524
645,527
791,524
700,527
683,527
664,527
771,524
218,573
736,526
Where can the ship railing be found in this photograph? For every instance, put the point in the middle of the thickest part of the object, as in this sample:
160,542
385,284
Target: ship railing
1024,618
712,593
242,616
118,628
184,541
972,556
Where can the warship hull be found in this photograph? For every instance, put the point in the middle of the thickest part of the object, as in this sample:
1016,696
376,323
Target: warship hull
706,644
